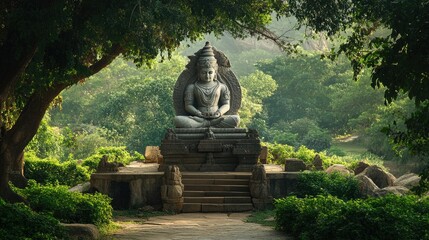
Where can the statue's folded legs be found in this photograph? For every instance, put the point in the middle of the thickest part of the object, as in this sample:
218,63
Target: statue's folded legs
226,121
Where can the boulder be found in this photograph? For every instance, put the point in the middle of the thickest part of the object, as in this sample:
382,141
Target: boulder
380,177
338,168
367,188
294,165
409,180
361,166
397,190
81,231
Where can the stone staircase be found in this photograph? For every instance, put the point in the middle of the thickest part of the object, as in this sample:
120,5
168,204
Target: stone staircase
216,192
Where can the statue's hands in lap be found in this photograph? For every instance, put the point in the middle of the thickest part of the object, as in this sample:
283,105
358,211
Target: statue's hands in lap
211,115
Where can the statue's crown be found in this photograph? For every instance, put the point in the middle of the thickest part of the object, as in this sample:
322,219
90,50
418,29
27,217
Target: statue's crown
207,57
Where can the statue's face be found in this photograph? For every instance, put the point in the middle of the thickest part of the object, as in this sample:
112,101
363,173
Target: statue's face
207,74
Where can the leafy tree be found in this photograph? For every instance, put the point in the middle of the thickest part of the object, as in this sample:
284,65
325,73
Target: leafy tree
300,93
48,46
256,87
47,141
399,59
135,106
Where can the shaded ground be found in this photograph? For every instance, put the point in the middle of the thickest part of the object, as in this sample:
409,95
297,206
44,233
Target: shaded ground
194,226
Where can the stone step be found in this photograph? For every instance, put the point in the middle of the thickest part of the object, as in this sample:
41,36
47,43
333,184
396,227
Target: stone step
221,199
232,181
216,175
215,194
208,187
213,207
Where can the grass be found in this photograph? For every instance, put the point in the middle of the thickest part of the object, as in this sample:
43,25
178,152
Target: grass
265,218
350,148
108,229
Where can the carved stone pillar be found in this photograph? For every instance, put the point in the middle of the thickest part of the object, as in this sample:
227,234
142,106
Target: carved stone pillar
172,189
259,188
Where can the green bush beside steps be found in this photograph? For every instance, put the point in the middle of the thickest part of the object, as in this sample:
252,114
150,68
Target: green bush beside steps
329,217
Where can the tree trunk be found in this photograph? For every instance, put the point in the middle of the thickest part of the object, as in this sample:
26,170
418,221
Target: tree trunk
16,174
14,141
5,163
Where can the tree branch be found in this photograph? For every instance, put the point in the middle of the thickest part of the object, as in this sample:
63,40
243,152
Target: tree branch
100,64
267,34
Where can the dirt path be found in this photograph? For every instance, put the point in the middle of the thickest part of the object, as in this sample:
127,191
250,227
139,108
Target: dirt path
194,226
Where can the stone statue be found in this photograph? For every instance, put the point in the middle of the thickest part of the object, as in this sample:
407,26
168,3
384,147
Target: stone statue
206,98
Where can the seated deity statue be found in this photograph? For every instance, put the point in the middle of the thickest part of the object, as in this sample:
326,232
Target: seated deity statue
207,100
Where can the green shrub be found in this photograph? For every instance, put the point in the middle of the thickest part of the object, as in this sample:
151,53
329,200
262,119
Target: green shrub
51,171
321,183
317,139
277,153
17,221
114,154
328,217
69,207
335,150
305,154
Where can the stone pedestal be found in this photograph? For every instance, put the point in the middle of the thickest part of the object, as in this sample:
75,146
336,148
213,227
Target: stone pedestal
210,149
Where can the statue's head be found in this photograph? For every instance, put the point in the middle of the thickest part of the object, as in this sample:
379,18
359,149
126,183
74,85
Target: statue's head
207,64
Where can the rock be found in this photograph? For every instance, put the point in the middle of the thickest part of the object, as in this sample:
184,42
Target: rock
360,167
152,154
82,188
409,180
367,188
338,168
81,231
380,177
294,165
318,162
397,190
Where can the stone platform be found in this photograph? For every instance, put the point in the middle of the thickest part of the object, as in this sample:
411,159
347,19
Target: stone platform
139,185
210,149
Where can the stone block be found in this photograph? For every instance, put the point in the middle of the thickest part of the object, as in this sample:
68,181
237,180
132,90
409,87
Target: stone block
152,154
263,155
294,165
240,207
207,207
191,207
